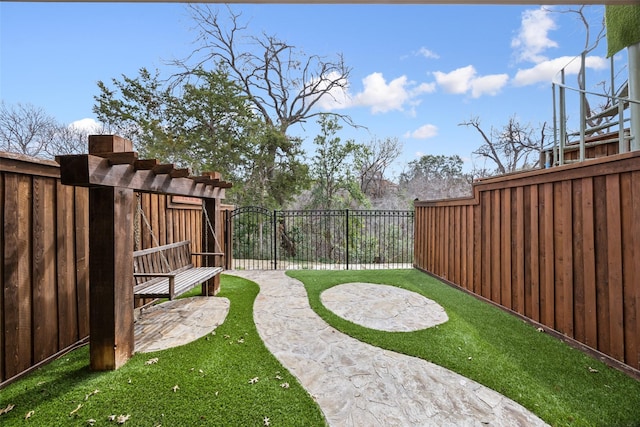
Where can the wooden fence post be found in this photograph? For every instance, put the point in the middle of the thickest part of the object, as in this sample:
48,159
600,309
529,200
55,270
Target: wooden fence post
110,277
110,266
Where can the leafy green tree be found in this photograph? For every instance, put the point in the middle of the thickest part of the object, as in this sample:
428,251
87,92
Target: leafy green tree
333,169
205,124
201,126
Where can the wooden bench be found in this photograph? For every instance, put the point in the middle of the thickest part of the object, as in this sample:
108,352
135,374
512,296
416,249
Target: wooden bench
167,271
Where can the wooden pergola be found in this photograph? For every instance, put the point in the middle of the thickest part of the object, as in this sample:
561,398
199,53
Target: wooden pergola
113,172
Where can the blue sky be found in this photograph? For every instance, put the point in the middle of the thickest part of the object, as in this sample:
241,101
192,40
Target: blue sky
417,70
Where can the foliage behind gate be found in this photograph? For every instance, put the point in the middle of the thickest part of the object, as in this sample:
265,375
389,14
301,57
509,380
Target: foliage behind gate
321,239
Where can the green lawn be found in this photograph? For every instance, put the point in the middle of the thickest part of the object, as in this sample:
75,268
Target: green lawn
212,376
558,383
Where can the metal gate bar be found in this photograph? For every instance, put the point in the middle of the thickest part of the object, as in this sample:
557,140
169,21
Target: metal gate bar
321,239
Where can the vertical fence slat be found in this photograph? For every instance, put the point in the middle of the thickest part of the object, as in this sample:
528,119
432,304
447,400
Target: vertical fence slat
82,259
506,218
577,220
630,207
66,286
45,316
17,283
614,267
601,259
519,258
496,236
589,263
3,207
567,248
485,253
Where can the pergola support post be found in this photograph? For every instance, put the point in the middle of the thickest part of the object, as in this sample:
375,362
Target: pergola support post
110,277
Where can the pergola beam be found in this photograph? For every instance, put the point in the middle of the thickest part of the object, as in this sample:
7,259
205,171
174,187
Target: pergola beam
86,170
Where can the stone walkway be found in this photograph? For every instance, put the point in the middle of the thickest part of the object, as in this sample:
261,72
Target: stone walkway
356,384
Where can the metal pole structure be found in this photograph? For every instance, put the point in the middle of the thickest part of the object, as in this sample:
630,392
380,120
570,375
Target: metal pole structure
275,240
346,223
563,119
554,152
634,94
583,103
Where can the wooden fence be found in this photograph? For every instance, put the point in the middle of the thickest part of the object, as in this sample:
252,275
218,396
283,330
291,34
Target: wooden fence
559,246
44,300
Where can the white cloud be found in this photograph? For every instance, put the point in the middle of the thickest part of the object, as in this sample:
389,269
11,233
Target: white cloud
382,96
87,125
548,71
378,94
465,79
338,97
456,81
532,39
488,85
427,53
423,132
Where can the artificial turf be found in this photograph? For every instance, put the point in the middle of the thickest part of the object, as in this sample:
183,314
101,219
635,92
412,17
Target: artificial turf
224,379
560,384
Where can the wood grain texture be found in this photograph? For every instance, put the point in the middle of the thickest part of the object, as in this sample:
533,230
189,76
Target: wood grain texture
560,246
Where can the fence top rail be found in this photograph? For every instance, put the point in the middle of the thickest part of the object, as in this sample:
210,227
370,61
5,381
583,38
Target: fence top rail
606,165
21,163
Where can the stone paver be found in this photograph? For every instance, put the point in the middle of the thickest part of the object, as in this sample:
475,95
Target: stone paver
383,307
356,384
178,322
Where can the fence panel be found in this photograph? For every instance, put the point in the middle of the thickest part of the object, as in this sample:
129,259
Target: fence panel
559,246
44,241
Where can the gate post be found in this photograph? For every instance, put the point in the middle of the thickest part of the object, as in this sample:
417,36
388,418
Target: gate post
346,235
275,239
209,239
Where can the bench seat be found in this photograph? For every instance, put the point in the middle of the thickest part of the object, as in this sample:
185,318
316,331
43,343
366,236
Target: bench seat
166,271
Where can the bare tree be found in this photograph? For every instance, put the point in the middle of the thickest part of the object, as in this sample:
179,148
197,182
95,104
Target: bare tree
25,129
514,147
72,139
372,164
283,84
434,177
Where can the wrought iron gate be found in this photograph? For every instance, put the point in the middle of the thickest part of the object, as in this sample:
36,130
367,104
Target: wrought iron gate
320,239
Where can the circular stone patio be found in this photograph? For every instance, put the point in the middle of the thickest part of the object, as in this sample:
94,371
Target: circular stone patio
178,322
383,307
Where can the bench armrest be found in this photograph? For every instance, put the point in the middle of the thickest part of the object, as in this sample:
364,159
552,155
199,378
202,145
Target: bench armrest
208,253
171,276
154,275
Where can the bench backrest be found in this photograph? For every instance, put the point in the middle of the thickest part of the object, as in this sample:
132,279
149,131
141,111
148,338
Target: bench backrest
162,259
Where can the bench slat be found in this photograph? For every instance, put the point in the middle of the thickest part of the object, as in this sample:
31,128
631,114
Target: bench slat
184,281
155,260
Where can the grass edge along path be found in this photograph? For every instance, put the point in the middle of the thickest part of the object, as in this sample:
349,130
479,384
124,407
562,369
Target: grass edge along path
224,379
560,384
